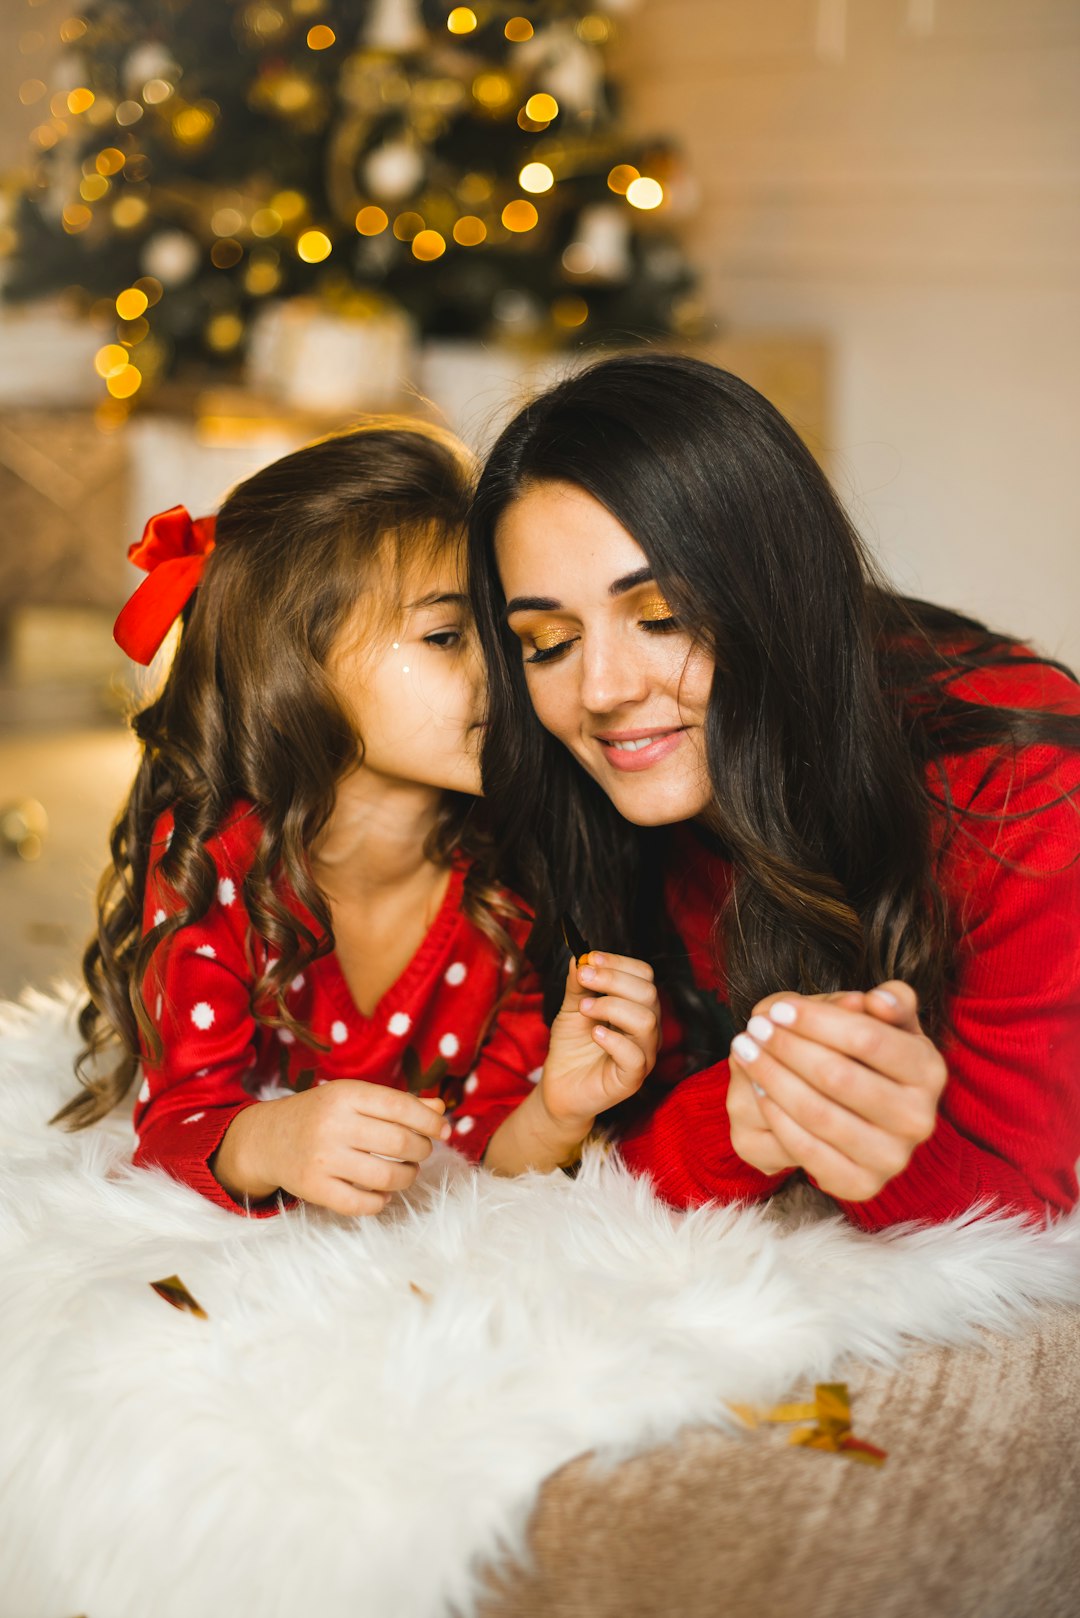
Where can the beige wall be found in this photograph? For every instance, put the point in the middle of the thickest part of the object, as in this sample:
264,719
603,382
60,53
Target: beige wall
904,176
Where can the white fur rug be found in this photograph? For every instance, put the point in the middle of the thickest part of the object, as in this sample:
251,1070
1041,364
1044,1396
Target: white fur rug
369,1410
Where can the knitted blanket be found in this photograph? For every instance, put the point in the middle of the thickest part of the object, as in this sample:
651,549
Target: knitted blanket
361,1423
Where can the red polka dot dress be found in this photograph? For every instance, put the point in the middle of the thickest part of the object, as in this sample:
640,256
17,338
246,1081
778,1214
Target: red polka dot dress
218,1059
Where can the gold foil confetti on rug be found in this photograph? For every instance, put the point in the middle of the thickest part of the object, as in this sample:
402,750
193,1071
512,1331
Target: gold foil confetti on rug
831,1415
173,1290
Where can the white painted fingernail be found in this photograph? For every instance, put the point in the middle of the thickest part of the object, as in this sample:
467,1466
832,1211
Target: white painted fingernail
744,1046
783,1012
756,1087
884,994
761,1028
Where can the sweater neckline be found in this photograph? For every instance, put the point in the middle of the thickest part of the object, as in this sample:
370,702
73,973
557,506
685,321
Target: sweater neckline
400,992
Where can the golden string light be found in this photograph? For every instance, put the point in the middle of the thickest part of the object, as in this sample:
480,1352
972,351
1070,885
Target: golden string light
536,178
428,245
131,303
470,231
645,193
622,176
492,90
519,216
80,100
313,246
372,221
320,38
462,20
518,30
541,108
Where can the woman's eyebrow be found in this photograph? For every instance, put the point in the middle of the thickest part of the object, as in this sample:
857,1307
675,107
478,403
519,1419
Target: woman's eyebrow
629,581
437,598
532,604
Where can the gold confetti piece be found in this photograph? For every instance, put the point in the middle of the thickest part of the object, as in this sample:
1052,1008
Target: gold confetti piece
780,1413
747,1415
173,1290
831,1415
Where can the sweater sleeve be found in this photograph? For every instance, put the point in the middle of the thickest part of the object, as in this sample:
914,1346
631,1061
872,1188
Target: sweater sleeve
684,1146
198,995
510,1063
1008,1130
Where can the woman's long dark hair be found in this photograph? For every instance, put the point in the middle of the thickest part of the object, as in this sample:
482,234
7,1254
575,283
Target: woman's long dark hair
249,711
829,705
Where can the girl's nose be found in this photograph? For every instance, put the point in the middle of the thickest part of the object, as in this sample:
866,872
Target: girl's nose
614,675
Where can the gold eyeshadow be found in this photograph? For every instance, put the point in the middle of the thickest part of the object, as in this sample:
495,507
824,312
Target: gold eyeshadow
545,636
655,610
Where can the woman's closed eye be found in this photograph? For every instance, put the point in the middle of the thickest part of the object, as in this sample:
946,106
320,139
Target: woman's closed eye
550,642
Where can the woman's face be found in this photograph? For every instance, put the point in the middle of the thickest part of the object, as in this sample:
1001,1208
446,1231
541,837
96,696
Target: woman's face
609,671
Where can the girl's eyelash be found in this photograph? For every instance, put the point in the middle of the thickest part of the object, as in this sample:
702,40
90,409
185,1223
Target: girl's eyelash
660,626
443,637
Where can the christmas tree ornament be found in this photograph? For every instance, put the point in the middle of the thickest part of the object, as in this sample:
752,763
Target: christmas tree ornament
395,25
172,256
148,61
601,245
393,171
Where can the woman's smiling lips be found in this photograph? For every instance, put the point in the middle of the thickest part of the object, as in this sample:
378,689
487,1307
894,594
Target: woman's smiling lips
630,750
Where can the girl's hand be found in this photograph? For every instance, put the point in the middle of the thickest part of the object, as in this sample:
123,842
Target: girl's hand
604,1040
844,1086
346,1145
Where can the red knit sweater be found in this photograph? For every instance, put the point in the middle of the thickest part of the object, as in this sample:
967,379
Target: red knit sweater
1008,1130
217,1059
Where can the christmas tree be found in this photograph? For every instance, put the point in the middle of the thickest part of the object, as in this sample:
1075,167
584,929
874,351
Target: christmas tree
198,158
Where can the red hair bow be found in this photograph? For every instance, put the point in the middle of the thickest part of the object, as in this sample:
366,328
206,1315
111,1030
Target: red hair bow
173,551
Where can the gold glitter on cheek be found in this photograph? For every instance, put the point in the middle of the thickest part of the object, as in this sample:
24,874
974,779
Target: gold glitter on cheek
655,611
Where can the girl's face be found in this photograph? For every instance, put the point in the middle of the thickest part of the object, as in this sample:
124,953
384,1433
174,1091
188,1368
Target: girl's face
609,671
411,675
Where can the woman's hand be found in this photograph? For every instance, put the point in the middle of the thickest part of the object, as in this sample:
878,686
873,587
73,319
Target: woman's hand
346,1145
844,1086
603,1041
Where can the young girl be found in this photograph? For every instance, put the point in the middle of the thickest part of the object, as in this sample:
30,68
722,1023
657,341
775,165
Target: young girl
301,941
851,820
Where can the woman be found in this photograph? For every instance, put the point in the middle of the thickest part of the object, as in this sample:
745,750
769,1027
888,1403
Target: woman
853,819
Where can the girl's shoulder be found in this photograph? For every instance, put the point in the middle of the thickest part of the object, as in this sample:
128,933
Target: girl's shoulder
232,846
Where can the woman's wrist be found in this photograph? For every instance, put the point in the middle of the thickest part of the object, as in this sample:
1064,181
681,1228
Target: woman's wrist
239,1164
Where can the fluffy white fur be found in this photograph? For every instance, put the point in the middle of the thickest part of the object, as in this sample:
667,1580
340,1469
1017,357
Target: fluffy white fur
331,1442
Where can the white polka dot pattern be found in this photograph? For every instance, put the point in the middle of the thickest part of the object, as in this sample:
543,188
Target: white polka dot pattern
158,1003
286,1037
472,1084
208,950
159,917
144,1090
226,890
399,1024
464,1126
338,1033
202,1015
193,1117
535,1076
456,973
449,1045
297,983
